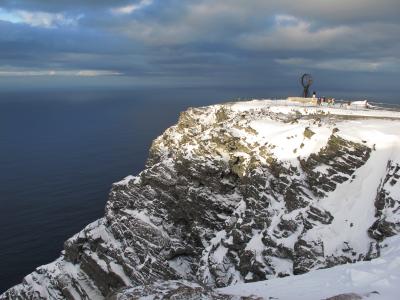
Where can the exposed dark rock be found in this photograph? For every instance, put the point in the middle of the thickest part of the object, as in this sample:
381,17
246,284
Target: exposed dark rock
352,296
307,255
169,290
386,202
308,133
347,296
319,215
340,158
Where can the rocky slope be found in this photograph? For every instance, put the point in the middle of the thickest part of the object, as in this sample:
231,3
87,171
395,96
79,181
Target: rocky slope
234,193
377,279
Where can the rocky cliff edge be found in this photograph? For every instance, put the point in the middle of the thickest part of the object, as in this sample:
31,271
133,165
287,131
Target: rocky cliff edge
234,193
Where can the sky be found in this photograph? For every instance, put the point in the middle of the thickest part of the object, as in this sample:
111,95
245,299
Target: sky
344,44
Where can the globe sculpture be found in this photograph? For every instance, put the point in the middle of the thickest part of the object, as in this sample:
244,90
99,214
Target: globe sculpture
306,81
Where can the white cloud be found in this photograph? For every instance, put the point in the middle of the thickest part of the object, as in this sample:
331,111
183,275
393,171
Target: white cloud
95,73
16,72
292,33
286,20
38,19
128,9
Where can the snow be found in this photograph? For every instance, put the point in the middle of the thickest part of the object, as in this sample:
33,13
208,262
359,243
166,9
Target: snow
98,230
206,253
220,253
255,243
118,270
126,180
140,215
363,103
67,270
101,263
181,265
381,275
288,140
87,285
353,201
284,106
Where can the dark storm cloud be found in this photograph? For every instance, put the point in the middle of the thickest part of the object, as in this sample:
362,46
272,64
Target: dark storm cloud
204,41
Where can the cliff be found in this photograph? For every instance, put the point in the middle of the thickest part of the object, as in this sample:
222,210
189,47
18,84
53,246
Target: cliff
236,193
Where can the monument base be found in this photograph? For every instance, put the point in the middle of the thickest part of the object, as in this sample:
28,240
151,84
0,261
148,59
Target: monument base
303,100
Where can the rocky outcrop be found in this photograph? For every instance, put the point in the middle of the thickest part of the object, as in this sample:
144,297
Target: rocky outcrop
341,158
174,290
352,296
387,204
220,202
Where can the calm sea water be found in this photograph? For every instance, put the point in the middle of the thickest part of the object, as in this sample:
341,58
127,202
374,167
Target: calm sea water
60,152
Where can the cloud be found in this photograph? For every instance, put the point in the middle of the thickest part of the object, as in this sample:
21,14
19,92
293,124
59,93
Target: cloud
15,72
207,41
38,19
128,9
347,65
95,73
61,5
331,11
292,33
263,25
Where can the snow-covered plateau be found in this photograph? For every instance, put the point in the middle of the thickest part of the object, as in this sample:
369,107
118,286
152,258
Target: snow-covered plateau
246,200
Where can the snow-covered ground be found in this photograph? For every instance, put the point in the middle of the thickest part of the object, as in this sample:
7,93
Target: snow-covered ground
353,200
352,203
285,106
376,279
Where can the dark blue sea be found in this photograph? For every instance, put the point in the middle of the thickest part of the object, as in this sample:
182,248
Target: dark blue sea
60,151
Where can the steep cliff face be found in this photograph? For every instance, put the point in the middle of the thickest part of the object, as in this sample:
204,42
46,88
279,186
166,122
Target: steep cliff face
236,193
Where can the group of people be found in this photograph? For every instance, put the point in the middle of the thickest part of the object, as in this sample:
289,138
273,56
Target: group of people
349,104
323,100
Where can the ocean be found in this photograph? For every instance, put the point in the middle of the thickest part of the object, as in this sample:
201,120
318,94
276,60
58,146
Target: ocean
60,151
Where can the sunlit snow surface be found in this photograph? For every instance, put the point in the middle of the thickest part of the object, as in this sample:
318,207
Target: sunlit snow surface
381,275
352,200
